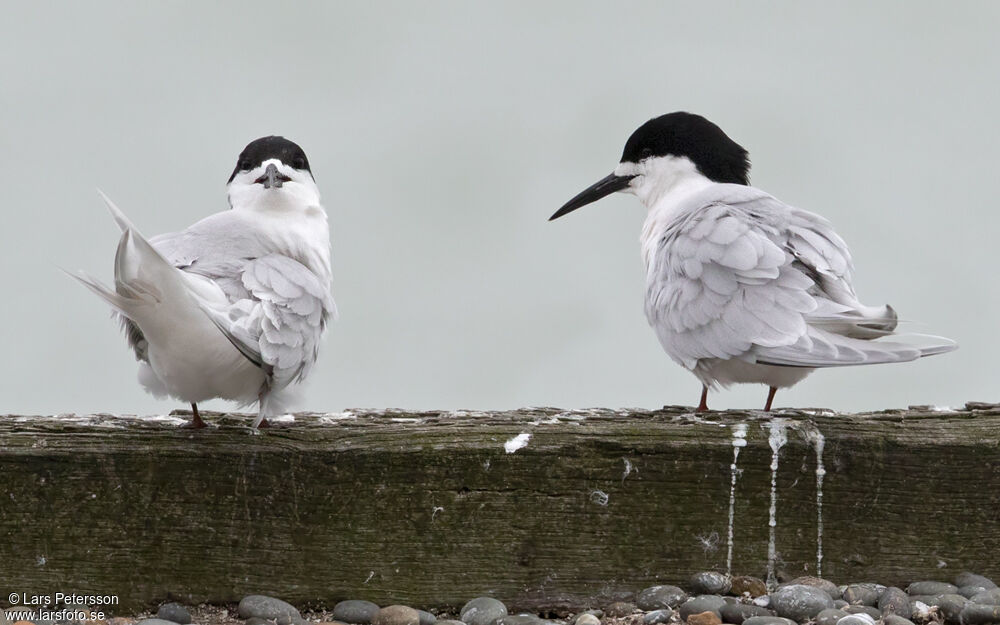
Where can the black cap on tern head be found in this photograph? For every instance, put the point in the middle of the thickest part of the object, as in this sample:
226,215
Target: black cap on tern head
260,150
716,156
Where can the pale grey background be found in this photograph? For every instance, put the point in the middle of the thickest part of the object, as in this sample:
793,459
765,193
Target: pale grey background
443,134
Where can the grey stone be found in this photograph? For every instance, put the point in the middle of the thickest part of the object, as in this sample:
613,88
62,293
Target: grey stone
978,614
619,608
864,609
768,620
355,611
586,618
951,606
895,619
856,619
840,604
265,607
739,612
701,603
710,583
290,619
932,588
816,582
971,579
426,618
987,597
657,597
174,612
894,601
971,591
862,594
145,621
256,620
396,615
482,611
830,616
449,621
520,619
662,615
800,602
928,599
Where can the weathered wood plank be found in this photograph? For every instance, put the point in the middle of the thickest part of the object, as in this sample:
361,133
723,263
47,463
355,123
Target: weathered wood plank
430,509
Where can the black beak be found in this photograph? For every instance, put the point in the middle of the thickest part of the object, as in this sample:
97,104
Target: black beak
272,178
604,186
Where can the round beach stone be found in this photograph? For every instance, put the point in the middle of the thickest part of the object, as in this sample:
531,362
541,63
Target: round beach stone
587,619
768,620
256,620
355,611
426,618
932,588
704,618
972,579
482,611
825,585
830,616
895,601
951,606
662,615
895,619
864,609
739,612
174,612
701,603
977,614
710,583
863,594
448,621
145,621
856,619
265,607
800,602
657,597
987,597
520,619
396,615
747,585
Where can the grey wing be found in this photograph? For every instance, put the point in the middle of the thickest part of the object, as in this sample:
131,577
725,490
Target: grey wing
278,325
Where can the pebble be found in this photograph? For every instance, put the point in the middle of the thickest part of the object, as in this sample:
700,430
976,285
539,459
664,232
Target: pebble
710,583
426,618
830,616
977,614
291,619
264,607
396,615
174,612
355,611
155,621
817,582
701,603
739,612
746,585
951,607
657,597
932,588
864,609
768,620
987,597
895,601
482,611
800,602
704,618
840,604
971,591
588,619
256,620
971,579
895,619
449,621
863,594
519,619
620,608
662,615
856,619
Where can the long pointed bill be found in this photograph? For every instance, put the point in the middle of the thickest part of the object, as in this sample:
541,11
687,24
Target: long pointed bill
604,186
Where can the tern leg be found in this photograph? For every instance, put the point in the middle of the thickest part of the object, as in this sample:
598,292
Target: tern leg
196,421
703,405
261,422
770,398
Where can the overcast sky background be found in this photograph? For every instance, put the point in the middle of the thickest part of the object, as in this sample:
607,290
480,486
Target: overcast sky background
442,136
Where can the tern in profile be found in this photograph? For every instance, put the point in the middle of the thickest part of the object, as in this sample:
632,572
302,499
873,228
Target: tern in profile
741,287
234,306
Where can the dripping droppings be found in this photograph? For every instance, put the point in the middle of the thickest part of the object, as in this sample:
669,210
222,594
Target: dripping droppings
816,439
739,442
777,438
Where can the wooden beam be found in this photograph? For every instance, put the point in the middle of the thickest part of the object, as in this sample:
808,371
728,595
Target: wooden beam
542,508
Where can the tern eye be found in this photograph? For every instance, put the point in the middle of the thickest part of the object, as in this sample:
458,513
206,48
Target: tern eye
299,163
245,166
646,153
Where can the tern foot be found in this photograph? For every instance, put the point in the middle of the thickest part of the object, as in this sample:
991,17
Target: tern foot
196,423
703,404
770,398
263,424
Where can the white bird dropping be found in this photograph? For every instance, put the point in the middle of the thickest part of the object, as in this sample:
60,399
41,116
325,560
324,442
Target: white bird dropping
741,288
777,437
235,305
739,442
